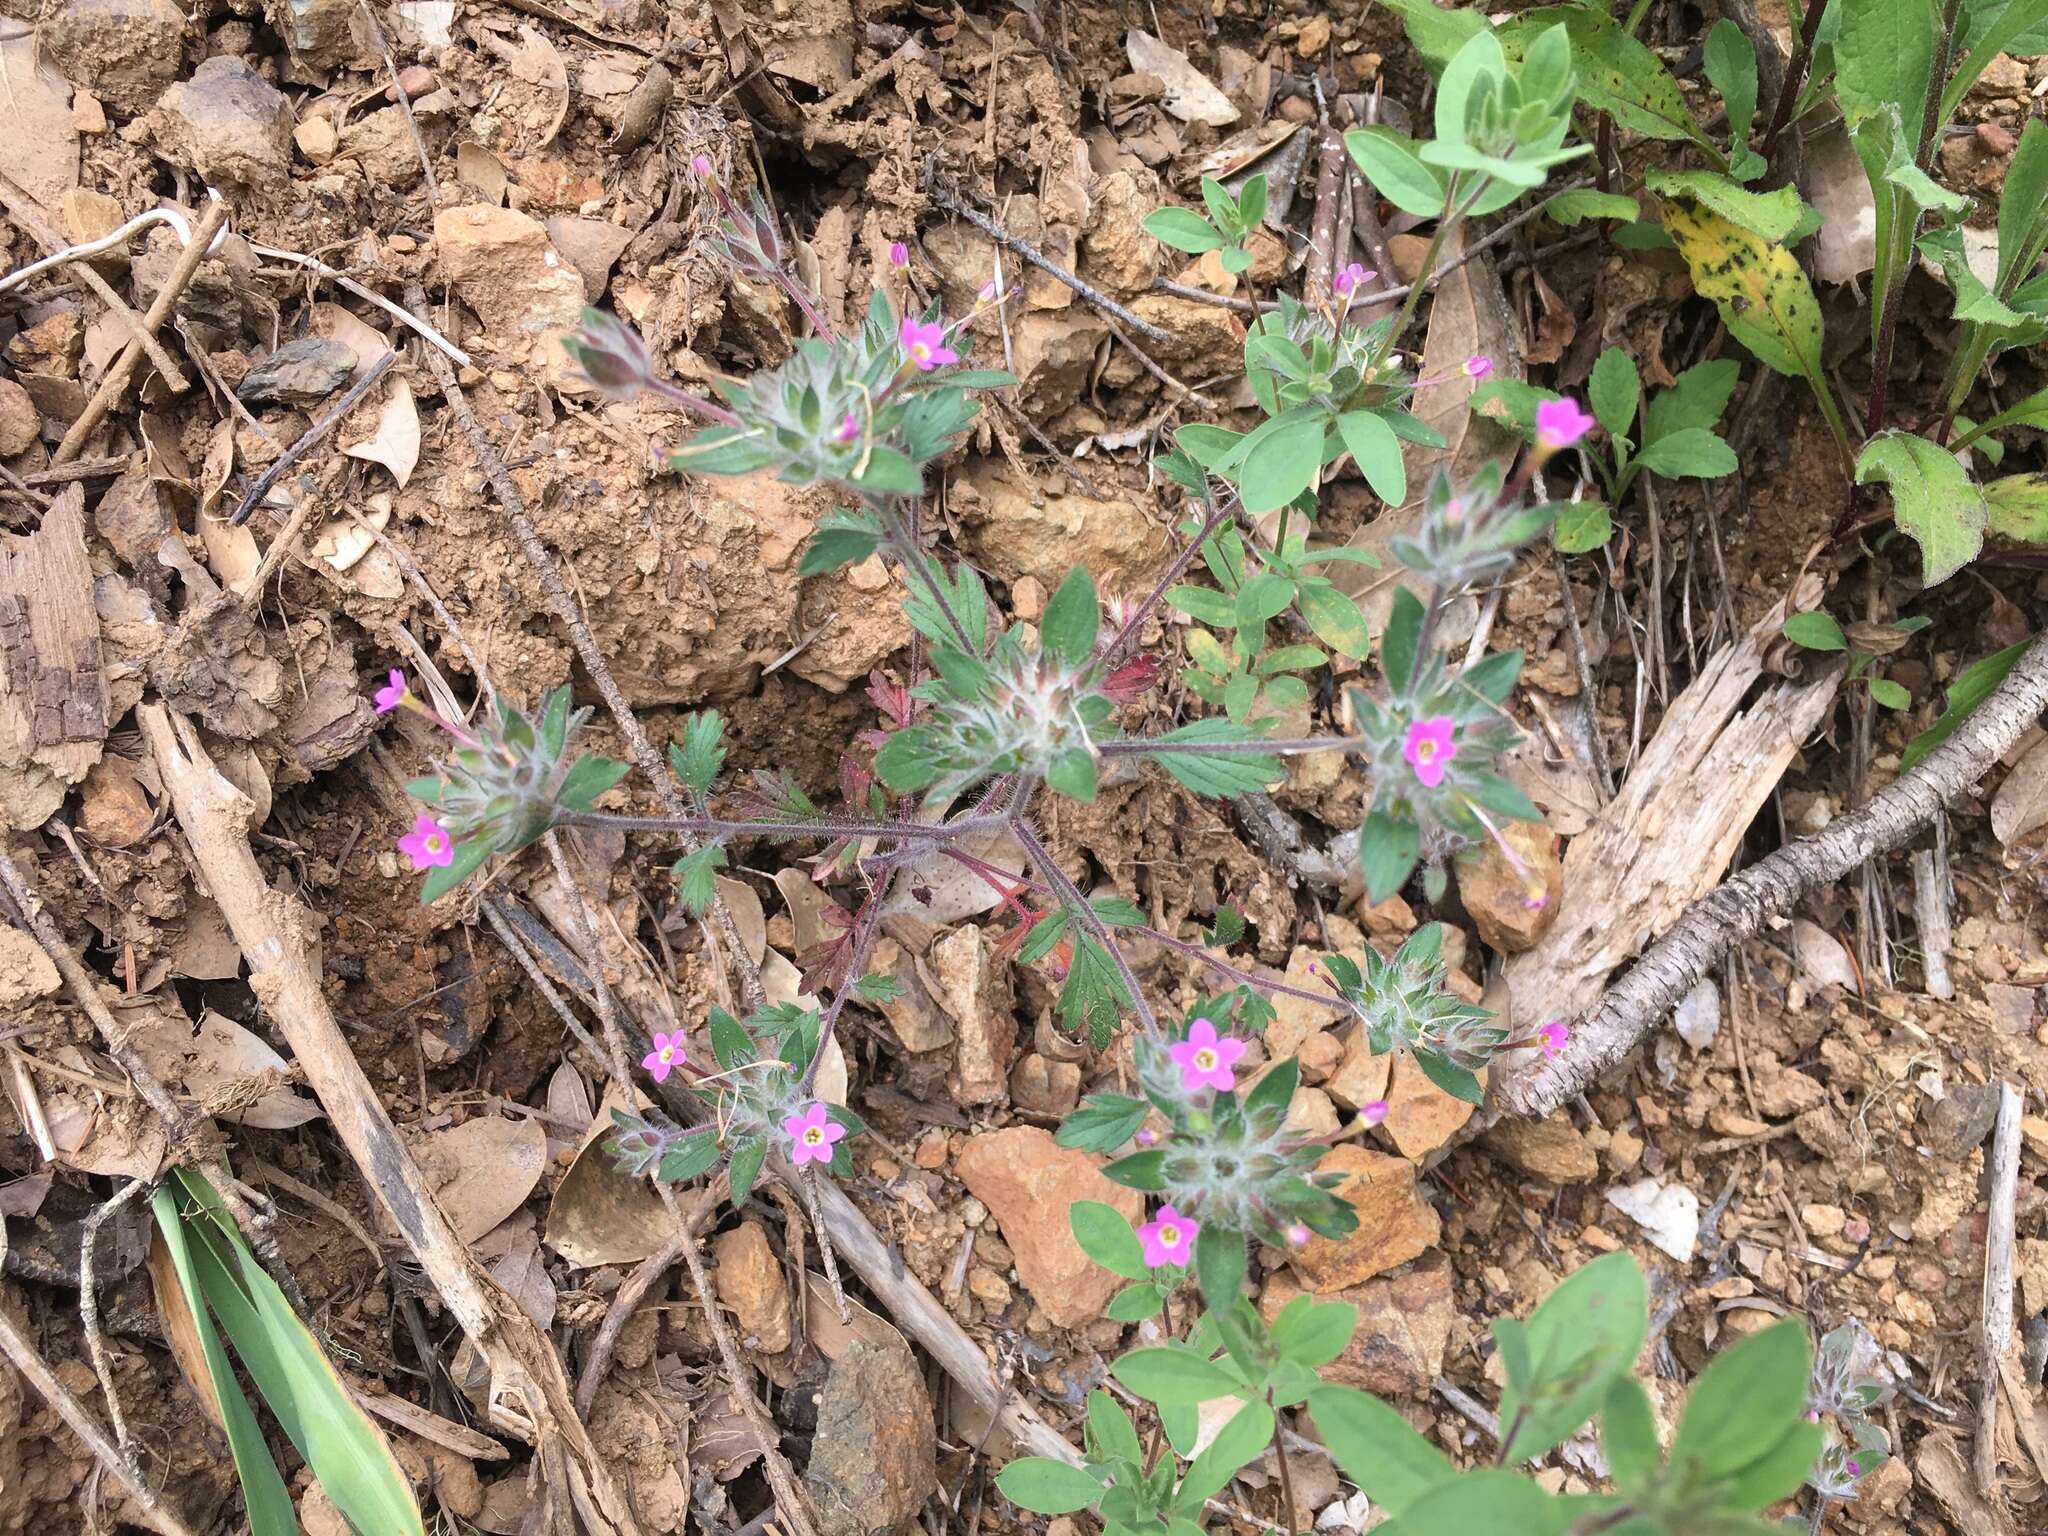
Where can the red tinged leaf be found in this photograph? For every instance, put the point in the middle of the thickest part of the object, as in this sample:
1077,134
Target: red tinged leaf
1132,680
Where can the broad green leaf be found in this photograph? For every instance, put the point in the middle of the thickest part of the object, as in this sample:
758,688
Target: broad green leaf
1247,1433
1110,1431
1047,1487
1574,207
2019,507
1211,607
2023,203
1105,1235
1745,1398
1377,452
1072,773
1436,31
1280,460
1378,1449
1973,685
469,855
1182,229
1219,1264
842,537
911,758
731,1045
1628,1434
1394,169
1690,452
1479,64
1581,526
1763,296
1731,70
1816,631
1491,1499
1696,398
1563,1361
1069,624
1388,848
1265,596
1135,1303
1776,1472
1218,774
1889,694
1616,74
1779,217
1173,1373
1313,1333
687,1159
1334,617
589,778
1933,499
744,1166
1884,53
1403,635
1616,390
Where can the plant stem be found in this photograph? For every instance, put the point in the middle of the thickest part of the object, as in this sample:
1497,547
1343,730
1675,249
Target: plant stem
868,927
825,827
1149,745
919,567
1795,73
1079,909
1286,1476
1219,513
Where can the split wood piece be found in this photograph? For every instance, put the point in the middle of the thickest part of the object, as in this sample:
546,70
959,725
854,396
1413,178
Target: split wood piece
21,1351
1664,840
529,1393
2002,1173
115,384
1932,893
915,1309
1740,906
53,687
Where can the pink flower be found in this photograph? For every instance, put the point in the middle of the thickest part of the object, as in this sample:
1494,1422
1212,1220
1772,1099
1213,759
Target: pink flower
1554,1036
899,254
1373,1113
1146,1137
925,345
1351,278
428,844
1204,1060
1560,423
1479,366
701,164
1855,1468
1169,1237
1298,1236
812,1135
392,694
666,1056
1432,743
989,290
847,430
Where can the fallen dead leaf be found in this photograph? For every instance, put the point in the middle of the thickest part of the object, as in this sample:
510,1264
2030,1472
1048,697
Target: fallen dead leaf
1833,180
357,334
1669,1214
1191,95
396,442
600,1215
2021,804
482,1170
481,171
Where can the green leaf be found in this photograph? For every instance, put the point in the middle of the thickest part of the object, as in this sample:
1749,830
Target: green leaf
1747,1395
1280,460
1105,1235
1581,526
2007,34
1479,66
1111,1435
1691,452
1387,853
1219,774
1616,390
1562,1362
1776,1472
589,778
694,881
1455,1080
1048,1487
2023,202
1072,773
1182,229
1334,617
1815,631
1973,685
687,1159
1731,70
1933,500
889,473
1263,597
1404,634
1884,54
1437,32
748,1152
2018,508
1313,1333
699,756
1219,1264
912,758
1071,619
1201,603
1103,1122
1778,217
1616,74
1379,1450
1696,398
842,537
1572,208
1141,1170
1135,1303
1093,992
731,1045
1763,297
1243,1437
1173,1373
1628,1434
1490,1499
1391,164
469,855
1377,452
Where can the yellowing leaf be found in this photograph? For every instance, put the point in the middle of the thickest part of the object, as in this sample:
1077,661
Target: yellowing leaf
1764,298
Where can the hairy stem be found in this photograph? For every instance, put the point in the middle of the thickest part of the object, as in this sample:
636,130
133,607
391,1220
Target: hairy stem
1081,912
919,568
828,828
1219,513
1795,74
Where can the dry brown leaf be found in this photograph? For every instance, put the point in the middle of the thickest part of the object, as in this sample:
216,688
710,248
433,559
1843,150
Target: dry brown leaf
345,541
744,904
1833,180
2021,804
513,1252
396,442
833,1338
600,1214
539,62
481,171
805,900
482,1170
353,332
180,1331
1191,95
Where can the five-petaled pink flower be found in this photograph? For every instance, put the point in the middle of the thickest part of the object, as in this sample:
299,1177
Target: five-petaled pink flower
428,844
1560,423
666,1056
899,254
1204,1060
812,1135
1554,1035
925,345
392,694
847,430
1351,278
1432,743
1168,1237
1298,1236
1374,1112
1478,366
701,164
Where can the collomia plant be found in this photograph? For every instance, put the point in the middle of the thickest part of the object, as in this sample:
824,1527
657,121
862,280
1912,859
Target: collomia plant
995,717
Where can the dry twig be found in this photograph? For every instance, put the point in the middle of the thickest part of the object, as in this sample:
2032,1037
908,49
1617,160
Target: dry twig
2002,1173
89,1305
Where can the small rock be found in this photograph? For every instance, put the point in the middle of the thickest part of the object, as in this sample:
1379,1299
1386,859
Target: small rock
874,1461
1823,1220
1822,960
1361,1077
751,1282
1027,598
88,115
1295,1019
127,50
974,988
1669,1214
593,246
1958,1123
381,143
1044,532
1043,1086
1030,1183
229,124
1319,1056
1395,1224
316,139
1881,1493
25,971
1513,908
1420,1116
1698,1015
1624,1151
1392,919
1550,1149
88,214
2012,1008
19,419
1311,1114
299,372
1404,1325
53,344
113,810
505,268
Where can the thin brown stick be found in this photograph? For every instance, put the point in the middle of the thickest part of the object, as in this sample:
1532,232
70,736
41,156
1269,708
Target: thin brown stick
634,1288
310,438
21,1351
115,384
1740,905
89,1306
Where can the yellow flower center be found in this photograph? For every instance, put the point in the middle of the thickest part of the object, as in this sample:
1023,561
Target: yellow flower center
921,351
1426,748
435,842
814,1135
667,1054
1205,1060
1169,1237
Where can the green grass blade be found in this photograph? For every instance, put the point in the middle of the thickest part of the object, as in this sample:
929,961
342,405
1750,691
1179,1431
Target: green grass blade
263,1491
348,1454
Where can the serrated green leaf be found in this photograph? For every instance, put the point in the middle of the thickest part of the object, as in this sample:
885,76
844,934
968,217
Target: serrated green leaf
695,887
1933,500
